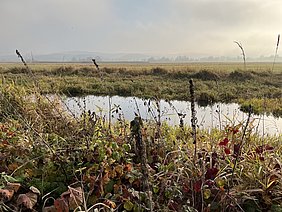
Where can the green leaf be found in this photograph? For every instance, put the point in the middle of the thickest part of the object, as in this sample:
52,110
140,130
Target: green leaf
128,205
126,147
110,186
207,193
9,179
137,208
116,156
220,182
114,145
276,208
156,189
250,206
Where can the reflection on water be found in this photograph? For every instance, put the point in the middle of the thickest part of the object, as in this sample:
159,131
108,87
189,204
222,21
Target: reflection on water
216,116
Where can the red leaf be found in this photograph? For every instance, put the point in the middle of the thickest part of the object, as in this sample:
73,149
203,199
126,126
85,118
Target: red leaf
197,186
185,188
214,155
128,167
235,130
211,173
268,148
236,149
224,142
227,150
172,205
259,149
61,205
277,166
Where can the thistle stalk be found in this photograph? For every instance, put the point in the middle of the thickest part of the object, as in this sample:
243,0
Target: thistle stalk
193,117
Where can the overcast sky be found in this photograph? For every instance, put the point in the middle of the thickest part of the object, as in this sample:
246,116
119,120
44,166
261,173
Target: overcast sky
163,27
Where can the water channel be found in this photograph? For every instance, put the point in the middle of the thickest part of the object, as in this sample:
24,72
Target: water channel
215,116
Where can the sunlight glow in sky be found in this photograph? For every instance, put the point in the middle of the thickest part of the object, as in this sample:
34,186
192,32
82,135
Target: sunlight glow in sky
166,27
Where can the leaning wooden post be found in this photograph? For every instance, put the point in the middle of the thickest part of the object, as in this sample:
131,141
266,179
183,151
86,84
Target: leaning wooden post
136,127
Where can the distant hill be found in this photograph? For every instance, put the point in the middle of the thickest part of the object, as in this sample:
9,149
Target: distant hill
84,56
77,56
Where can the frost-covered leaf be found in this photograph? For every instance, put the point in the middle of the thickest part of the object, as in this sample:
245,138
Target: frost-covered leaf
34,190
13,186
49,209
6,195
29,199
61,205
73,197
24,201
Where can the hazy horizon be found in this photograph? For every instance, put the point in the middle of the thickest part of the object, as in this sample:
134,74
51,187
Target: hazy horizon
153,27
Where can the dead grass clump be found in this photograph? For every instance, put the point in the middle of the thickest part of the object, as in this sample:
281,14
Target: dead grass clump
206,99
109,70
261,74
181,74
205,75
239,75
73,90
16,70
87,70
159,71
63,70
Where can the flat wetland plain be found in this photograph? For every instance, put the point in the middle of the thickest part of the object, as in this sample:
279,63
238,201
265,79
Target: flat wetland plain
257,85
104,164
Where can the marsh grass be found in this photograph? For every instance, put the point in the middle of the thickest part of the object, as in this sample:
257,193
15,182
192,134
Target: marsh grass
214,82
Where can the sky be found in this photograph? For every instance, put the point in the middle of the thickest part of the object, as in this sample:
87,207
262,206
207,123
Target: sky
156,27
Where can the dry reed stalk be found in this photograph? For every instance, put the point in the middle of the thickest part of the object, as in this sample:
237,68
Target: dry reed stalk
276,50
243,53
250,110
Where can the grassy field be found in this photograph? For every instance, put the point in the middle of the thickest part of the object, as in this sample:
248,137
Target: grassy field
214,82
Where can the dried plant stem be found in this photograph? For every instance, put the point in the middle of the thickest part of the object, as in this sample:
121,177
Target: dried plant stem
159,118
243,53
276,50
110,113
241,143
27,68
193,117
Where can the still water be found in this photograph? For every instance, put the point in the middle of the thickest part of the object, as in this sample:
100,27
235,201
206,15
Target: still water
215,116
